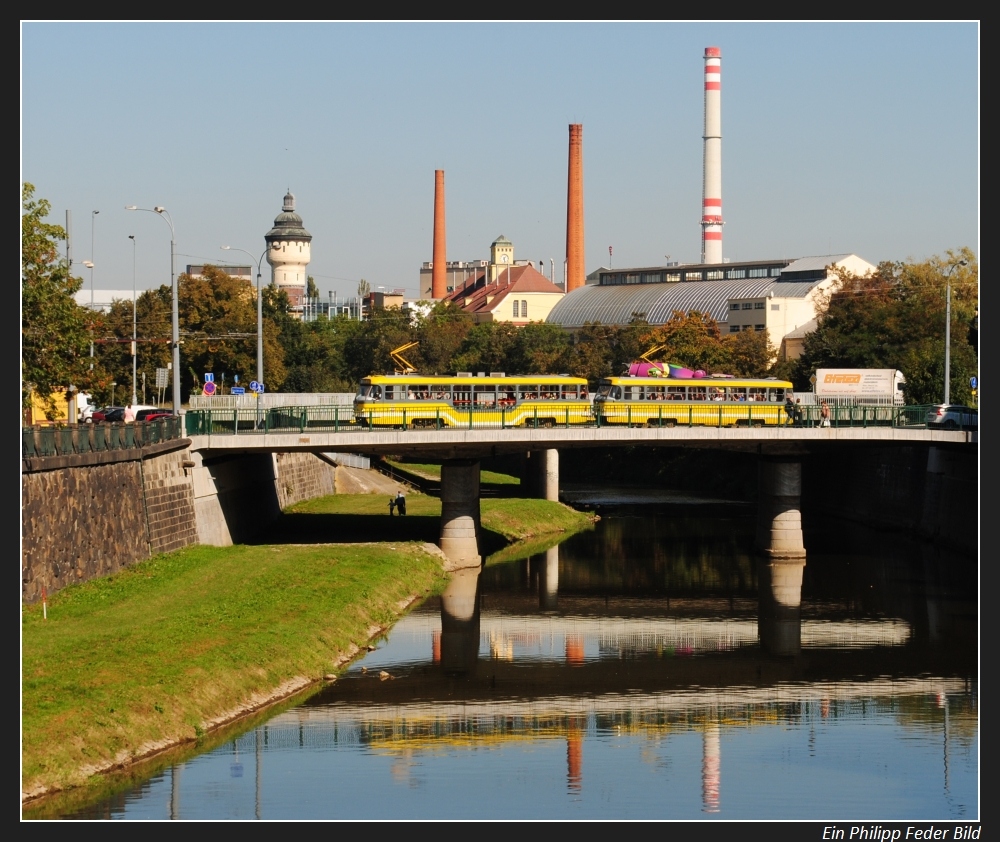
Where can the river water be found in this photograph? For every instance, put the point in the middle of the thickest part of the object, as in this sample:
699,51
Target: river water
654,668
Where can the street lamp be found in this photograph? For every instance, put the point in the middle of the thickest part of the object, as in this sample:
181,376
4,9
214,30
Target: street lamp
947,331
175,331
260,313
135,397
113,384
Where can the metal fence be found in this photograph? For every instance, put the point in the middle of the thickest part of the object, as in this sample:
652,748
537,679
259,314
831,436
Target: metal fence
97,438
303,419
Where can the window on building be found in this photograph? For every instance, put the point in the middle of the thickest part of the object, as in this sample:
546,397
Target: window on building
524,309
735,305
714,275
775,271
673,277
758,327
517,312
736,273
775,306
758,305
757,273
734,328
747,305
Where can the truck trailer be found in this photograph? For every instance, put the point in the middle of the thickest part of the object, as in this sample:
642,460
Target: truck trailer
860,386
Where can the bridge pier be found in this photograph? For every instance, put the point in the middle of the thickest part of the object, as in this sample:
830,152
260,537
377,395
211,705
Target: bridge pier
779,516
541,474
460,521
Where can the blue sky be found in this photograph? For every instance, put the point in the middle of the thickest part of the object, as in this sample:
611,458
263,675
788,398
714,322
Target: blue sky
837,137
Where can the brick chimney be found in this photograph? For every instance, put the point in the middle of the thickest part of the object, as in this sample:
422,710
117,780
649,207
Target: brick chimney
439,277
575,270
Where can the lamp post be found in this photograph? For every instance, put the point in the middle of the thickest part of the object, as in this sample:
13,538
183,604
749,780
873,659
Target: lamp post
947,331
260,313
135,397
175,332
90,265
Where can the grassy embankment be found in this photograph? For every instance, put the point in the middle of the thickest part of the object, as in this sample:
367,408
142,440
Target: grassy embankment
162,653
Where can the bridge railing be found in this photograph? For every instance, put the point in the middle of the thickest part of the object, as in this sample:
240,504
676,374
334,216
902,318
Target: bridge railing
66,439
303,419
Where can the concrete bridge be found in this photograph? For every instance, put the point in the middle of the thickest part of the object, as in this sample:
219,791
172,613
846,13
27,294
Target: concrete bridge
780,449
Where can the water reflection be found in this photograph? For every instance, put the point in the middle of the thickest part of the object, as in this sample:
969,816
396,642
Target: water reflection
652,669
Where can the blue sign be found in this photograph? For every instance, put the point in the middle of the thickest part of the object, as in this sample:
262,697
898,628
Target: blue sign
209,377
973,382
238,390
236,378
254,386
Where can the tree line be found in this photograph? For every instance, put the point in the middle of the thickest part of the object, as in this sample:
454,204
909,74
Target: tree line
892,318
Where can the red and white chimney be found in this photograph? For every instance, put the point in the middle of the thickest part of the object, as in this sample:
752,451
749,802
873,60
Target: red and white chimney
439,277
711,203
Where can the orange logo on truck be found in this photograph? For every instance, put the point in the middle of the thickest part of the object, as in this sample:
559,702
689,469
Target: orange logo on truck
842,378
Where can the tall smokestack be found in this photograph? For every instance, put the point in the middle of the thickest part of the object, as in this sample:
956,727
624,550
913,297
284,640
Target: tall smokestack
711,206
575,271
439,277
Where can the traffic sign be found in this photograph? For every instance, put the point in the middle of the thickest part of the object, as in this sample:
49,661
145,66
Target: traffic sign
238,390
973,382
209,377
209,388
254,386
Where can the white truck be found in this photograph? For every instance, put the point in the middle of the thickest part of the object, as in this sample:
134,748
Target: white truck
859,386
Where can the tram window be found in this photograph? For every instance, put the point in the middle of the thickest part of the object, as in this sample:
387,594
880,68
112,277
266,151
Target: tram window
389,392
737,394
485,395
633,393
462,396
529,391
655,393
758,394
696,393
569,393
616,393
676,393
604,391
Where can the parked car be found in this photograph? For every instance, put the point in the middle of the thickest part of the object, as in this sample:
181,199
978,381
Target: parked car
109,414
152,414
953,417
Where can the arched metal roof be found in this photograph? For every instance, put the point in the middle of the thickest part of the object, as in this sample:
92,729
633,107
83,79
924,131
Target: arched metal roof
616,304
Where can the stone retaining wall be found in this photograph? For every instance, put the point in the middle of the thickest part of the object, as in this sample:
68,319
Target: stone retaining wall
82,518
89,515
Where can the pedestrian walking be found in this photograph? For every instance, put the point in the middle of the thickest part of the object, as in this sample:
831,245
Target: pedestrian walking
791,412
401,503
824,414
392,506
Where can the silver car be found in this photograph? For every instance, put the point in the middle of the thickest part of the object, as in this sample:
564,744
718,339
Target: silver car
953,417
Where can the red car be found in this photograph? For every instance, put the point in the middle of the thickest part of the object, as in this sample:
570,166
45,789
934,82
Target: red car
152,414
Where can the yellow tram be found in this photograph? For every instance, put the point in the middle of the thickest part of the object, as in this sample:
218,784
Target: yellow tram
706,401
411,400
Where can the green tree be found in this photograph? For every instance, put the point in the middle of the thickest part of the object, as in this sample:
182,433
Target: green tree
441,334
312,291
750,353
894,317
55,330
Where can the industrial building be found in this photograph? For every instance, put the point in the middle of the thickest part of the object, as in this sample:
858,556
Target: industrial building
778,296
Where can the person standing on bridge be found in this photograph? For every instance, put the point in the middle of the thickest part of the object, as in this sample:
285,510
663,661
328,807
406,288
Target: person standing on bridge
824,414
